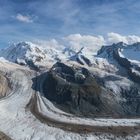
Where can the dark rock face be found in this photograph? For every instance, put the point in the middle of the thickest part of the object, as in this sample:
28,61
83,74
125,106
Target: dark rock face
80,58
71,87
127,65
132,103
64,84
109,50
122,61
134,76
87,61
75,90
55,91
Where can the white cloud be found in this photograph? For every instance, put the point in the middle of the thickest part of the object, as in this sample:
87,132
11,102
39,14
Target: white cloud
23,18
115,38
90,43
94,43
78,41
52,43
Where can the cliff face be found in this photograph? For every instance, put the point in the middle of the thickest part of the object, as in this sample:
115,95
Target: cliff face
125,56
77,91
75,88
122,61
125,68
134,76
128,66
4,86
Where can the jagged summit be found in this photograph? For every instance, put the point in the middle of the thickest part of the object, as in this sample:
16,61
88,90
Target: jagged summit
127,56
130,52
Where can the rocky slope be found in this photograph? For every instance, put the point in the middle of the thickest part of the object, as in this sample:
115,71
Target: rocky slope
76,90
4,86
126,68
4,137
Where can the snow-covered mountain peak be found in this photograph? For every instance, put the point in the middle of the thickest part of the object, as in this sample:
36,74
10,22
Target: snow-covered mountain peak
27,46
38,54
107,50
135,46
23,52
22,44
119,44
81,58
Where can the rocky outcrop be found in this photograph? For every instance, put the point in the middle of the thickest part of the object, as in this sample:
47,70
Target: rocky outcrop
75,90
111,52
80,58
122,61
4,86
134,76
107,51
4,136
127,65
65,83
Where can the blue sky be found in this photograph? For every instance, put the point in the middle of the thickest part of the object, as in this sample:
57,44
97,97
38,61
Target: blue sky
44,19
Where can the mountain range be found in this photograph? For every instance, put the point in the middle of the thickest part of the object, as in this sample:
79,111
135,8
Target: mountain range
75,84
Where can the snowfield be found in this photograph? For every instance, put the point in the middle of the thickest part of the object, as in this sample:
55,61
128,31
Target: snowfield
132,53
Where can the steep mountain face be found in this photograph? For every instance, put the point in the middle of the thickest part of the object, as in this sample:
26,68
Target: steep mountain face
127,56
23,52
131,52
76,90
126,67
77,56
